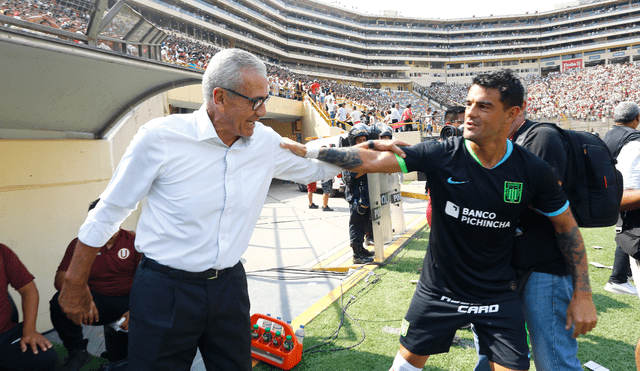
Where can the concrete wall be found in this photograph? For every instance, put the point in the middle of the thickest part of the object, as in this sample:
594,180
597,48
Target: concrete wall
45,189
314,124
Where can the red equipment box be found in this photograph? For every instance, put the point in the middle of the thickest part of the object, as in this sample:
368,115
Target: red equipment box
272,355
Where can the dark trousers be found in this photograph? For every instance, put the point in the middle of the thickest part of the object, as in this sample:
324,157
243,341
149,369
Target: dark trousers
359,225
110,309
173,317
12,358
621,267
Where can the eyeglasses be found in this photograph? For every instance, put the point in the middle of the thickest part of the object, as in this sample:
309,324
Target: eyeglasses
257,103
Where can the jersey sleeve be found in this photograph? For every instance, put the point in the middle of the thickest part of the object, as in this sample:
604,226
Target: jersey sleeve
547,144
549,198
15,272
420,155
68,254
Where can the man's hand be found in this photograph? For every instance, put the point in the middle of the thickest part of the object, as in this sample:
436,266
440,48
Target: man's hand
75,298
581,313
76,301
295,147
125,325
392,145
34,340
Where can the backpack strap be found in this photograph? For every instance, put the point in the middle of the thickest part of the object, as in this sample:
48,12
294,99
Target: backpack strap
622,138
522,137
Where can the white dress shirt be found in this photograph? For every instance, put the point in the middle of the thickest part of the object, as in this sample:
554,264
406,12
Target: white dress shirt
629,164
395,114
203,198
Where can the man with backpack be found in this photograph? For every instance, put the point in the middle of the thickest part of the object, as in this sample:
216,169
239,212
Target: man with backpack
623,142
482,184
546,284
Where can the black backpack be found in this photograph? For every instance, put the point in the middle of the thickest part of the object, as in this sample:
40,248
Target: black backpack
591,181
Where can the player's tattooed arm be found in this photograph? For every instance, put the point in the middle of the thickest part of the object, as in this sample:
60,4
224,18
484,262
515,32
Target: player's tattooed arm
581,311
572,247
346,158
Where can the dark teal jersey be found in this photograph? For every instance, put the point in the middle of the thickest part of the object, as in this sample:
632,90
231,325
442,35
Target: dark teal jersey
475,215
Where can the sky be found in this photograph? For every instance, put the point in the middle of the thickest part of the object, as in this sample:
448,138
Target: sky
448,9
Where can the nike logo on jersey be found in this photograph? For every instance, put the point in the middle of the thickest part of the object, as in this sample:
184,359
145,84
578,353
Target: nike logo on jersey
451,181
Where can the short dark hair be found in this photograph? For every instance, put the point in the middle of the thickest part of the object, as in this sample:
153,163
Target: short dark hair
508,84
452,113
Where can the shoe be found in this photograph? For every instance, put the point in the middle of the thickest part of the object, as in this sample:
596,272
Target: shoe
369,241
326,208
313,206
621,288
365,252
359,259
77,358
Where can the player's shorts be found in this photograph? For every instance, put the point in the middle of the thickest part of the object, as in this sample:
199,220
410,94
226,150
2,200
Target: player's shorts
327,186
432,320
311,187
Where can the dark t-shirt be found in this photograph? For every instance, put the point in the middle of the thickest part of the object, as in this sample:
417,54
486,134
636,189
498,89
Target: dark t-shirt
14,273
113,269
537,248
475,212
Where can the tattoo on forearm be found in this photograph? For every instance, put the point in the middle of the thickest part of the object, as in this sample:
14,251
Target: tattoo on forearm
347,158
572,247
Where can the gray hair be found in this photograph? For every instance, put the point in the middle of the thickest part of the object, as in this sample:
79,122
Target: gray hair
625,112
226,69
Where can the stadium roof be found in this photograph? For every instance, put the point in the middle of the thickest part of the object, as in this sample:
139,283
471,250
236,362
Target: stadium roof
60,86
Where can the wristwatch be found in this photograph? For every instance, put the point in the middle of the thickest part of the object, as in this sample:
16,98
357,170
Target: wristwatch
371,144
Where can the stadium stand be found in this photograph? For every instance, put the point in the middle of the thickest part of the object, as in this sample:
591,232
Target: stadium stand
375,60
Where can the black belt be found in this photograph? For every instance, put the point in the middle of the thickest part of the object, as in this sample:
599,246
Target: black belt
180,274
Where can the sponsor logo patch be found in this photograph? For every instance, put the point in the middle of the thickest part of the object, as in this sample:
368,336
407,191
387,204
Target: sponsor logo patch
452,209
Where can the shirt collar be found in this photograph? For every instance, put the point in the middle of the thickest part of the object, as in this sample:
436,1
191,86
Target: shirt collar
204,126
206,130
467,144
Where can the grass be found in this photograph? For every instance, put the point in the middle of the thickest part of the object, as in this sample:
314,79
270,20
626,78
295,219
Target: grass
379,303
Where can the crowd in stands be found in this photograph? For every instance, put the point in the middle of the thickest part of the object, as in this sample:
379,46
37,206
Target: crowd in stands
585,94
181,49
46,12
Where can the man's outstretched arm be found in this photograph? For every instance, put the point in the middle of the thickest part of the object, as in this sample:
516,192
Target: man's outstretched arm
359,158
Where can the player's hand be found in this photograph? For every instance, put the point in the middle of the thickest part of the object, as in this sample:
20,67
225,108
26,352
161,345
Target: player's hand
34,340
295,147
581,313
125,325
76,302
392,145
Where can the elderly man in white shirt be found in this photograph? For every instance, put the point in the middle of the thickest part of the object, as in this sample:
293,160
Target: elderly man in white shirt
205,176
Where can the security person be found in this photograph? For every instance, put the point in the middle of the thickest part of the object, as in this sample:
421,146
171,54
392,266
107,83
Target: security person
357,195
386,132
